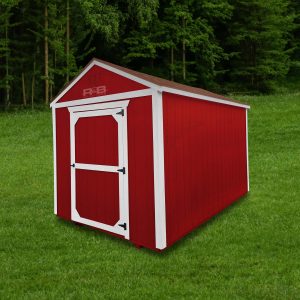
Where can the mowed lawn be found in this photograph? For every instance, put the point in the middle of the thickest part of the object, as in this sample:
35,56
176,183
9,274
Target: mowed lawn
250,251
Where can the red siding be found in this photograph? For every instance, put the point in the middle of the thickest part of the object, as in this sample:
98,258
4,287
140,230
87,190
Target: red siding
63,163
108,82
96,141
140,173
205,161
140,169
97,196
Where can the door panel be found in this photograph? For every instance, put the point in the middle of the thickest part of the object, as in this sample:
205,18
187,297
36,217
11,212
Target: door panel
97,196
96,140
99,168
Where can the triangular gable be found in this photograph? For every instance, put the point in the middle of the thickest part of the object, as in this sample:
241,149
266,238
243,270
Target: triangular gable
99,80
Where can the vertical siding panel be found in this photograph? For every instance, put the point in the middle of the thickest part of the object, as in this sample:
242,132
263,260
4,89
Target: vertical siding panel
63,163
205,169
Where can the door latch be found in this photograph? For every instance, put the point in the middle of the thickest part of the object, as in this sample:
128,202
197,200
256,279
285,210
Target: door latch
121,112
123,226
121,170
73,165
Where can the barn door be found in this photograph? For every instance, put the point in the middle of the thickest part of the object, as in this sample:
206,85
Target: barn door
99,172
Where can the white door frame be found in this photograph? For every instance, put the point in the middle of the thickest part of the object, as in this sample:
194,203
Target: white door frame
118,110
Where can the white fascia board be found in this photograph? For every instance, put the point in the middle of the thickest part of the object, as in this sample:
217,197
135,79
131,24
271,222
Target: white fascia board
106,98
64,91
202,97
126,75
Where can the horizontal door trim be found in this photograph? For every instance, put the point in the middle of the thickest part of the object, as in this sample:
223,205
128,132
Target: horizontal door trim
99,106
92,167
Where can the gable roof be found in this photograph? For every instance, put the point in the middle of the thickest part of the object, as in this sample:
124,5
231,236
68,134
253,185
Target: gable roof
146,79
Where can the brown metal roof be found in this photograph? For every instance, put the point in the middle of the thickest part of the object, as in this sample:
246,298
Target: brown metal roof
167,83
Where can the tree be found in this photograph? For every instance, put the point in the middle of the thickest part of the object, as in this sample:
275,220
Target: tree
6,7
257,39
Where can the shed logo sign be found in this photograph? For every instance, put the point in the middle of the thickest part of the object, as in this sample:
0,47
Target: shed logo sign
94,91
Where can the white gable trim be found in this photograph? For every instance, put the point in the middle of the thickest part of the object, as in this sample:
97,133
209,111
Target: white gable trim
126,75
149,84
107,67
64,91
202,97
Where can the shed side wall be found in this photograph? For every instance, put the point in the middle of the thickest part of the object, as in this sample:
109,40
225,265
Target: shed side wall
205,161
140,169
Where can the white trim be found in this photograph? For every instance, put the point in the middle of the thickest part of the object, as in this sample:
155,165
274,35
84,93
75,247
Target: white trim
106,98
123,178
248,180
159,173
115,228
202,97
73,170
125,204
126,75
54,159
99,106
64,91
92,167
96,113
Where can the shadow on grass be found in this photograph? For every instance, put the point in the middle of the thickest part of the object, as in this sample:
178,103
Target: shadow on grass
183,242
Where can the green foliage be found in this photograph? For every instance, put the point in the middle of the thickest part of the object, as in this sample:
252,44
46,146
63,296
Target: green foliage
257,38
223,45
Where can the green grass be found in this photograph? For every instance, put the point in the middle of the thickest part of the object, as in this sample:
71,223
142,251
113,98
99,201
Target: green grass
250,251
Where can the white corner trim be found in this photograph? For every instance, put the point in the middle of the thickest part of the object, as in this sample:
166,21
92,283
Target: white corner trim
106,98
248,179
54,160
202,97
159,173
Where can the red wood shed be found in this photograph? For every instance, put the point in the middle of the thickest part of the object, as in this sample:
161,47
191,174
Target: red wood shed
145,158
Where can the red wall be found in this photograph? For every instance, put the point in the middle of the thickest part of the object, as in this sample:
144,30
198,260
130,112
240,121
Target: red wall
63,163
205,161
140,169
107,82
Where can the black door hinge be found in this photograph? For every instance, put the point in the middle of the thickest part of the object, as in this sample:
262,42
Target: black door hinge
123,225
73,165
121,112
121,170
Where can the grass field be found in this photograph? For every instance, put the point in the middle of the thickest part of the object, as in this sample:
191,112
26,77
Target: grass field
250,251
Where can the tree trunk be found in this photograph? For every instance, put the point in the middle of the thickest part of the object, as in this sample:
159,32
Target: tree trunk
7,84
33,83
68,41
46,56
183,55
172,63
24,90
